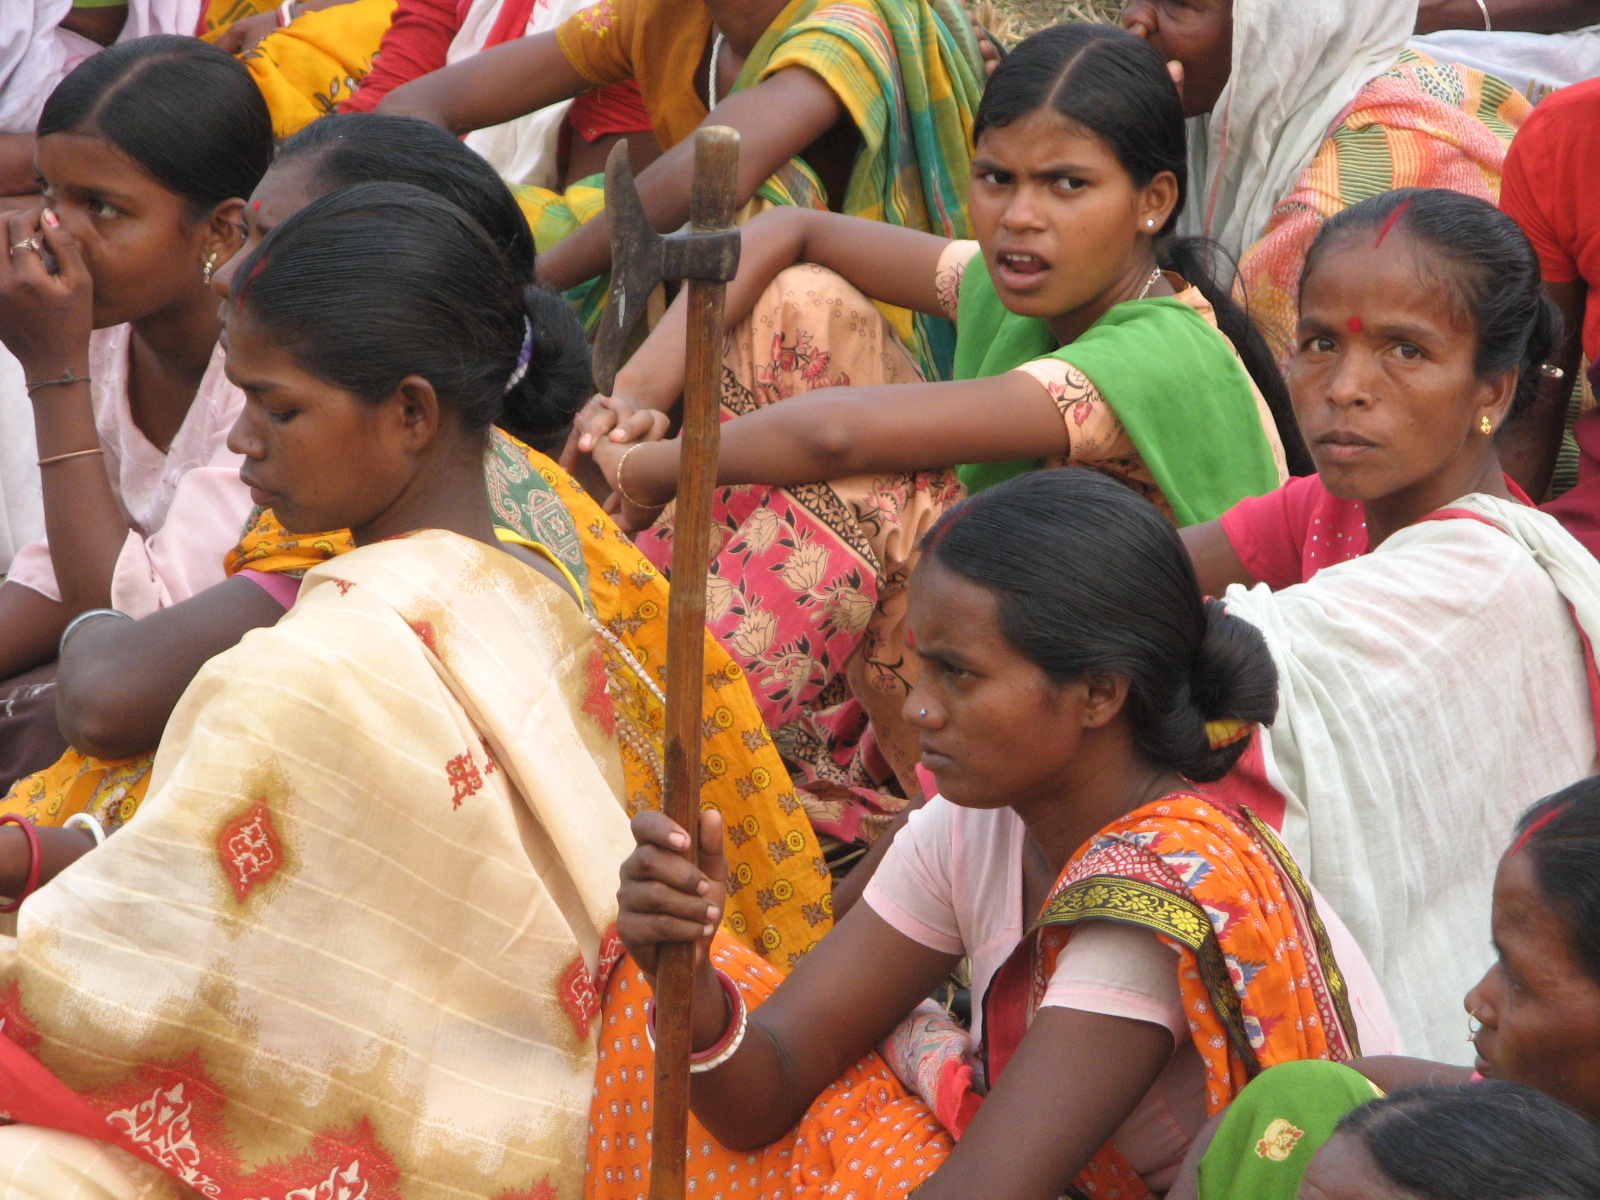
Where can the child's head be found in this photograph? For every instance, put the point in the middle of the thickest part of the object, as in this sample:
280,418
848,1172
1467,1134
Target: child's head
378,333
1079,163
1474,1141
1538,1008
1423,327
146,152
1060,603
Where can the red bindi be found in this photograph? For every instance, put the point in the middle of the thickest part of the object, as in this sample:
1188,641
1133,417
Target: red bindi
1355,325
256,207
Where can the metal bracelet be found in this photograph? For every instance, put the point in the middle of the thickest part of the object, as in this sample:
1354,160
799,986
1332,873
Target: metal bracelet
72,625
86,821
1483,7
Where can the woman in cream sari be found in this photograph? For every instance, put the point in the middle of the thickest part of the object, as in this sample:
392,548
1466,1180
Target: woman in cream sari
353,944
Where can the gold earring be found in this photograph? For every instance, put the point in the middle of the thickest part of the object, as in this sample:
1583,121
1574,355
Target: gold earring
1485,424
209,266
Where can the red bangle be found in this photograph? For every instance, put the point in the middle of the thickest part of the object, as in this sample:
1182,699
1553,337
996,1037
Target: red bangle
32,834
735,1007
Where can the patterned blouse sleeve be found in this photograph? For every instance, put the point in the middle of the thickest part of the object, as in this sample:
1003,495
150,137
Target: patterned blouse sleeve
1093,430
598,41
953,260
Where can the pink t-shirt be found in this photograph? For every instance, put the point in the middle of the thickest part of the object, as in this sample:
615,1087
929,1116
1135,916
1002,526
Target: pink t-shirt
1288,535
952,881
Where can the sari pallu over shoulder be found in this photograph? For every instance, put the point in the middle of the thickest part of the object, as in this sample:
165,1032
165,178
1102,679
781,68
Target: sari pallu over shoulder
358,930
1259,982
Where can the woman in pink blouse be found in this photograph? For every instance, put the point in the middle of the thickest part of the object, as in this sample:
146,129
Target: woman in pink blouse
104,302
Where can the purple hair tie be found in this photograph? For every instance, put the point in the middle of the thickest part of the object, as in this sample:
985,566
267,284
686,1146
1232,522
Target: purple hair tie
520,371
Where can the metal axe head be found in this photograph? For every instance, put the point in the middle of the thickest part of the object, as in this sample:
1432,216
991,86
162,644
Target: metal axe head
637,254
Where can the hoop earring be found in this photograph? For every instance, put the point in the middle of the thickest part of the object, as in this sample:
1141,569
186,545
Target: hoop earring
207,267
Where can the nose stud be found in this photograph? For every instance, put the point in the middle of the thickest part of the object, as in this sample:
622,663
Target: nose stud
922,712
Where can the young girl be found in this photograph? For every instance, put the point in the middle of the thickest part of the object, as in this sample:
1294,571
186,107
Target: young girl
1139,951
1534,1018
352,934
120,680
1435,686
146,152
1080,176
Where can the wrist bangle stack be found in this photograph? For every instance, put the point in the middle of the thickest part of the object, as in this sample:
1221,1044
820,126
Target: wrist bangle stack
725,1047
32,834
72,625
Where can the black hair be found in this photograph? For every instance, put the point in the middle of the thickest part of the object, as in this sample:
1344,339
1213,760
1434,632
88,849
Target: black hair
1489,1140
1116,86
1492,274
187,113
1561,836
330,288
1090,578
350,148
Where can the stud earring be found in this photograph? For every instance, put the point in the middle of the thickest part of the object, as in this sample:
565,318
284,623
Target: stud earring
209,266
1485,424
1150,224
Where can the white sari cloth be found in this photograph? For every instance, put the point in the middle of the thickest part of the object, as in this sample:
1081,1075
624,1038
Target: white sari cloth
1297,65
1429,693
1551,60
523,150
186,506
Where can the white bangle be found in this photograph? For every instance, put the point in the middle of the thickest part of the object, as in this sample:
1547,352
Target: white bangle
72,625
286,13
83,820
1483,7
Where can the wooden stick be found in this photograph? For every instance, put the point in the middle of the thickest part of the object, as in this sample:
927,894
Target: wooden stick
711,210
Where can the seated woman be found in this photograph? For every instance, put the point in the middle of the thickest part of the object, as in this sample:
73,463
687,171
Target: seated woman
120,680
1084,336
1417,721
1301,110
1534,1019
539,147
104,302
408,791
859,106
1075,693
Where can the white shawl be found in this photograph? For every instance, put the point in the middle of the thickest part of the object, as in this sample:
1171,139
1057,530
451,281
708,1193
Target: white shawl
523,150
1297,65
1430,692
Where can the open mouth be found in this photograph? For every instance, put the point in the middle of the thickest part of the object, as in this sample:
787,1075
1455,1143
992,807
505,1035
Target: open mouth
1019,268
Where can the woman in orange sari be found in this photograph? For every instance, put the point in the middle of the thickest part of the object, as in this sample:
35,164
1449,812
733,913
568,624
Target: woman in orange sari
1075,695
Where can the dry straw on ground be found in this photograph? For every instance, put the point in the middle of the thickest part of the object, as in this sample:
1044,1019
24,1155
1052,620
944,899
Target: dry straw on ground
1013,20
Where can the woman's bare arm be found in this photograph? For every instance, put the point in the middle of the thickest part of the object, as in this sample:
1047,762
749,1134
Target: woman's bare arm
30,626
1215,562
1532,16
493,86
118,681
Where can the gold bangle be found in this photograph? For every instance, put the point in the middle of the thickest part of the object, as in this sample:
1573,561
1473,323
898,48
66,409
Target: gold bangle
622,491
55,458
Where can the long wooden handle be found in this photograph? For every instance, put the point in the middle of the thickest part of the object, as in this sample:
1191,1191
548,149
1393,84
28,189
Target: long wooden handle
716,160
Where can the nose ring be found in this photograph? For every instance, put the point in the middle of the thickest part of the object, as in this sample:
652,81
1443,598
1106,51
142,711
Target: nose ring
1473,1025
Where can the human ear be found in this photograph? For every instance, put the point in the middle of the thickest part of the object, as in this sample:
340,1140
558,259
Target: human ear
1103,698
1494,397
416,412
1156,202
223,236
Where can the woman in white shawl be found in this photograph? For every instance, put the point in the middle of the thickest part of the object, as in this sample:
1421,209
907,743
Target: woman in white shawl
1435,687
1299,110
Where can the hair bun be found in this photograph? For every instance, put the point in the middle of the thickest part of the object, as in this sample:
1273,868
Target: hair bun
1234,689
558,379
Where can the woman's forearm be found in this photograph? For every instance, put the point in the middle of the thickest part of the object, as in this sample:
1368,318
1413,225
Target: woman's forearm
58,849
1532,16
82,519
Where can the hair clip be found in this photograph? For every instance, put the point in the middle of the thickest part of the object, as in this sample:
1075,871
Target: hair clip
1551,371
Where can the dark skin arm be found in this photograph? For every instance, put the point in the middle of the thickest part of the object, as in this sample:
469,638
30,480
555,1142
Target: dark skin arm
101,25
119,681
776,120
32,625
1532,16
1074,1079
1528,446
885,262
58,849
1215,562
16,167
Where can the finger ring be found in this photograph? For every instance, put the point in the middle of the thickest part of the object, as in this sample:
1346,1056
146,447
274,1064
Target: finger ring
26,244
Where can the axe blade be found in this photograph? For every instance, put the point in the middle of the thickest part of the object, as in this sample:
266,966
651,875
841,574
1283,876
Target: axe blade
636,265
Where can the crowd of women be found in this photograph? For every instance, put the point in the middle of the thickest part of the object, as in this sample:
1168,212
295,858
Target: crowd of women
1149,712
